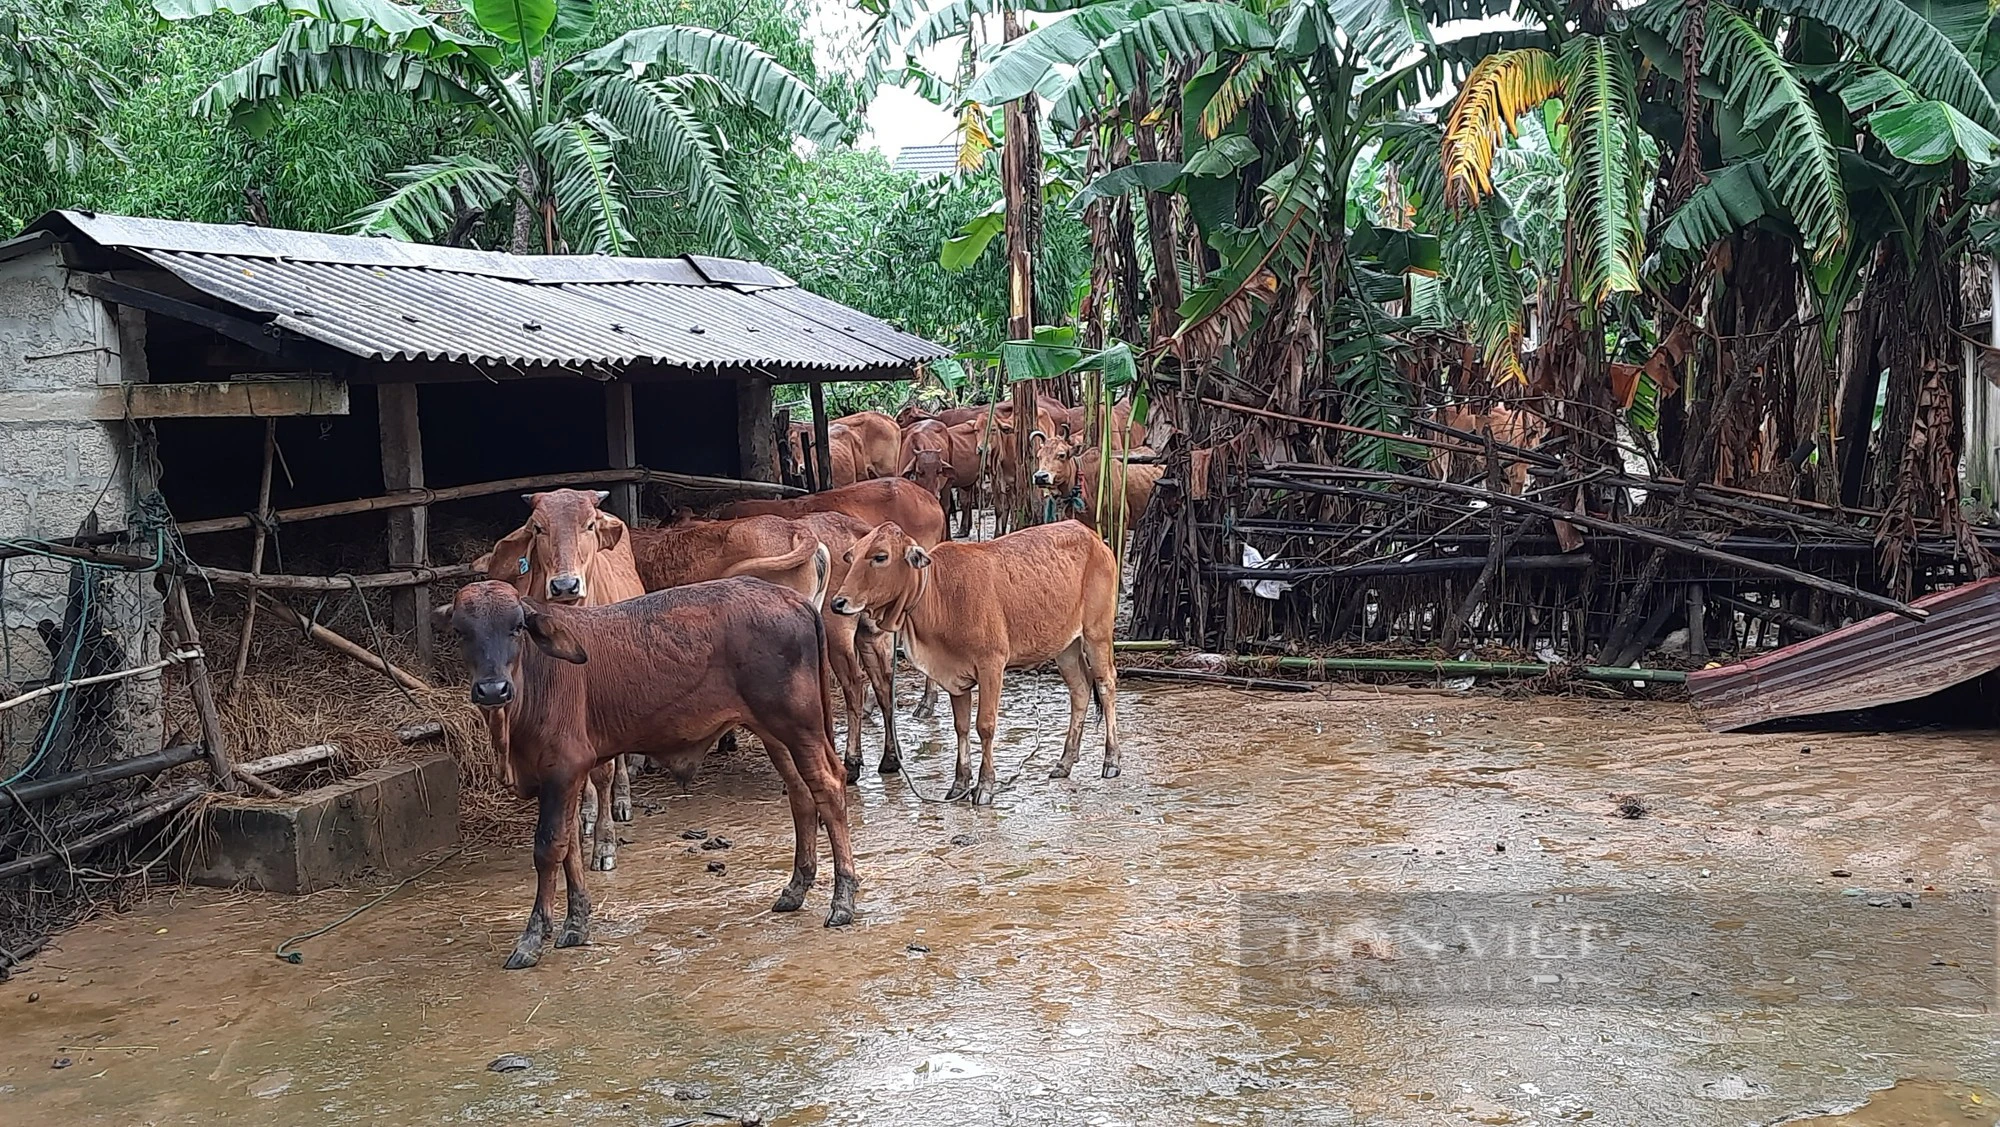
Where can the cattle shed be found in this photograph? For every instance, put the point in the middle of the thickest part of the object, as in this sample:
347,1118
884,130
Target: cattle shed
293,419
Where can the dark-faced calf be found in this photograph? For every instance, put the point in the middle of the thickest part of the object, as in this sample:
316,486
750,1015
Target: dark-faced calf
661,675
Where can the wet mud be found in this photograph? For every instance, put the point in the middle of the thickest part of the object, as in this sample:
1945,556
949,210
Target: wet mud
1251,926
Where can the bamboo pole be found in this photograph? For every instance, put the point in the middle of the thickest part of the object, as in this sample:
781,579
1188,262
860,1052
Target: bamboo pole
408,497
345,648
212,738
285,760
260,535
165,806
412,577
79,682
138,765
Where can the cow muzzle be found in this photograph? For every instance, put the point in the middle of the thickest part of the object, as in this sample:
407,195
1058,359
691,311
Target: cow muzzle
1043,479
843,605
492,693
566,588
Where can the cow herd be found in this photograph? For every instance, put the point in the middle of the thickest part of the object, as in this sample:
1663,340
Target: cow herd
593,644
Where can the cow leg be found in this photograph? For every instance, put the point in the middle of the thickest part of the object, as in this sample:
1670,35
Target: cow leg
621,788
1104,683
989,720
595,805
805,827
603,838
587,823
878,656
844,656
927,704
576,922
555,839
961,719
1070,663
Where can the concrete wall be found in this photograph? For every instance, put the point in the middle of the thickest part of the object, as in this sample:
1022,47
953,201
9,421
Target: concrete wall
52,475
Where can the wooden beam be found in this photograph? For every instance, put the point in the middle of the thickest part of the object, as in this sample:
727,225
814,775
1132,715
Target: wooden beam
409,528
819,435
698,482
228,399
214,742
262,337
756,431
621,445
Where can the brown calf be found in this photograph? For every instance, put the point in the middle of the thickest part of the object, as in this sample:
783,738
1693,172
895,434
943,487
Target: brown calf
1070,473
1514,428
926,458
661,675
969,611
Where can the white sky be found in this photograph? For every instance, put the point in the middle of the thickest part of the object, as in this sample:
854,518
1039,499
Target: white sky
896,117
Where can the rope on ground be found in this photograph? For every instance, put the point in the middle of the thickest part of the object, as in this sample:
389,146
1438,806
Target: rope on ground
295,957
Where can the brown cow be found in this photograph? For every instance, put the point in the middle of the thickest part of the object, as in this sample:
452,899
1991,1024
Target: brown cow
1070,473
1509,426
661,675
889,499
878,440
1125,434
862,657
969,611
926,458
570,551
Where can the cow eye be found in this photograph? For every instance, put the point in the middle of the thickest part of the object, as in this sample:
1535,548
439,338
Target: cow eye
847,556
881,557
535,529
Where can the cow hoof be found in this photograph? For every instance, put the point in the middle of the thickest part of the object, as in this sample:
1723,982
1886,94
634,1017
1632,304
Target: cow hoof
959,789
792,898
522,960
982,795
1111,770
574,935
841,916
621,811
853,772
890,765
587,830
842,913
604,862
1059,772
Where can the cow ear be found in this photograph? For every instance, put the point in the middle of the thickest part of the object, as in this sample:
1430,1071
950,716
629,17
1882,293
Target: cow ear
441,618
603,495
504,561
554,638
916,556
610,531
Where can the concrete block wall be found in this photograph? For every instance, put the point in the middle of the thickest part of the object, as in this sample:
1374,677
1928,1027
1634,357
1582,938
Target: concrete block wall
52,475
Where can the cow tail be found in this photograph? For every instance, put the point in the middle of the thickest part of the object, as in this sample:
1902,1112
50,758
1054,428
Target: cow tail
833,760
822,570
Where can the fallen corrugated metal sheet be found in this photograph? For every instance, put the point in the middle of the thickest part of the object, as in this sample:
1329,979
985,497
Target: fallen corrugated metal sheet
384,300
1877,661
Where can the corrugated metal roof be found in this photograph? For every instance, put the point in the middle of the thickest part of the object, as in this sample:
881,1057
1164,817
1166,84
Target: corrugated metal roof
386,300
926,160
1866,664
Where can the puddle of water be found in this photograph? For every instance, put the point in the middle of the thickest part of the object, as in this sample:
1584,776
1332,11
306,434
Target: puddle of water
1911,1103
1086,951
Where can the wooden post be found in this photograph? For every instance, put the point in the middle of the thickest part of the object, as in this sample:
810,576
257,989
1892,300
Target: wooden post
1697,620
822,451
213,741
258,536
621,444
409,529
757,435
1020,182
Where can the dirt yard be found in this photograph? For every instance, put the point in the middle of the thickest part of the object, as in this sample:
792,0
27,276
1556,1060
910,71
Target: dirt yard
1252,926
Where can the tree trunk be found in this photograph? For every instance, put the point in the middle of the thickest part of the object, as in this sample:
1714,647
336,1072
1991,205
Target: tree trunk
1021,181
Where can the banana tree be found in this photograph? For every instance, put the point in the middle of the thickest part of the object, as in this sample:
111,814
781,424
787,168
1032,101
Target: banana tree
568,135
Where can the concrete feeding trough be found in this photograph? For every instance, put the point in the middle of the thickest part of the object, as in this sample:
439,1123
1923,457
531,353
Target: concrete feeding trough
380,821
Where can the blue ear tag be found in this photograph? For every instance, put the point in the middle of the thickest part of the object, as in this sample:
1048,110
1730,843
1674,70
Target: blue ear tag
524,566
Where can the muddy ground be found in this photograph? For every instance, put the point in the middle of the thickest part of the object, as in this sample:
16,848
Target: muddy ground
1254,925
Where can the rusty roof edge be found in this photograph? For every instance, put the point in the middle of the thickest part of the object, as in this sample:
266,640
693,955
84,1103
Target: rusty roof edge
939,352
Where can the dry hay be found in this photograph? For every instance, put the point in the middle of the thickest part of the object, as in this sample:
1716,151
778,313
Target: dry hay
295,694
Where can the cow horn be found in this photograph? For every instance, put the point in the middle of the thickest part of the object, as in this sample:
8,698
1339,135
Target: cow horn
603,495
